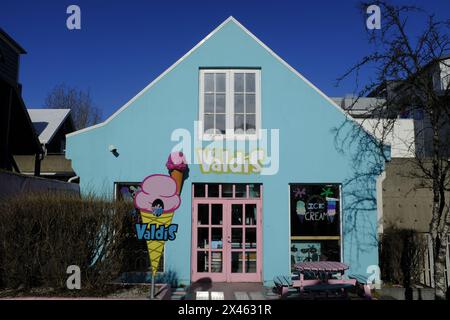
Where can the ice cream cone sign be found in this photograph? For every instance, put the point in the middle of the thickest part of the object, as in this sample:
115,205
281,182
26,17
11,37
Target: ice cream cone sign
157,201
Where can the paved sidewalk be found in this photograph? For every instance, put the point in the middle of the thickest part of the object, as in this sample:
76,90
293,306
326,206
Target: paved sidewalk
231,291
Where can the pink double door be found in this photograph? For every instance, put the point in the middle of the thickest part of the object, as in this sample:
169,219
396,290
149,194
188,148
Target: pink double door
226,240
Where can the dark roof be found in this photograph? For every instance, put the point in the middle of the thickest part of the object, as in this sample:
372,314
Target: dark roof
11,41
23,137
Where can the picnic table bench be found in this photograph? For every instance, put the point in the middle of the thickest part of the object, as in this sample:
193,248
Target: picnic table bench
316,277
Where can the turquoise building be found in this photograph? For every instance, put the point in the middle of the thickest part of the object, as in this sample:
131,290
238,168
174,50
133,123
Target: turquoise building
270,183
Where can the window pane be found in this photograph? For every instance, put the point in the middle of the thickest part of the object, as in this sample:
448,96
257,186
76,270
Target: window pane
220,123
209,103
199,190
250,103
209,122
220,82
238,103
249,82
236,262
209,82
216,214
213,190
250,123
250,262
241,190
236,214
236,238
202,238
239,123
254,190
203,213
220,103
238,82
250,214
202,261
216,238
216,261
250,238
227,190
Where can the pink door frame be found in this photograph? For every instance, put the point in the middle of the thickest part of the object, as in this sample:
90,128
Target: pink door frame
226,275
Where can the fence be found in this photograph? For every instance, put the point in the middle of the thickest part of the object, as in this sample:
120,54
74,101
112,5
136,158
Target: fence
427,272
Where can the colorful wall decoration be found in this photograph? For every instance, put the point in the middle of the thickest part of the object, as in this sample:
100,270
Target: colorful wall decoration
157,201
315,209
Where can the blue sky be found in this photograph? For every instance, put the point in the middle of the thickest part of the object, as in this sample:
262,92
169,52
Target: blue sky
124,45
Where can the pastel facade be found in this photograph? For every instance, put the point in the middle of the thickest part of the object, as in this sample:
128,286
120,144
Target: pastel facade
242,230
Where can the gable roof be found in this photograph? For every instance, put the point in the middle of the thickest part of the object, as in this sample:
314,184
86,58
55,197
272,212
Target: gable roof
228,20
11,42
47,122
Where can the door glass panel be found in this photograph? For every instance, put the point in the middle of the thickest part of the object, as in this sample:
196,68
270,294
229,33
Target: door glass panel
236,238
199,190
250,262
203,213
202,238
216,261
236,214
236,262
202,261
216,238
250,214
216,214
250,238
241,191
213,190
227,190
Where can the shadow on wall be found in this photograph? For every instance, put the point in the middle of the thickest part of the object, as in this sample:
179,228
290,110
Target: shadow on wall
368,156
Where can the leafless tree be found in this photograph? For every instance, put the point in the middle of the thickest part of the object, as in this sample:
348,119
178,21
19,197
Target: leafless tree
403,68
83,110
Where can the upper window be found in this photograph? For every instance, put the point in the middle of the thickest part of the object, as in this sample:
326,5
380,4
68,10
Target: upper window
230,103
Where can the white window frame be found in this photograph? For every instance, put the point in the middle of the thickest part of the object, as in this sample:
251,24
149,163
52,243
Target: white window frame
229,106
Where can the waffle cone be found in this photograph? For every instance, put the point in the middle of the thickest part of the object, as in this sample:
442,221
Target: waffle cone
156,247
178,177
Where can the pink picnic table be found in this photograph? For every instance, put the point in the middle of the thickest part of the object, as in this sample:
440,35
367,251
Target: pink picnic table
325,268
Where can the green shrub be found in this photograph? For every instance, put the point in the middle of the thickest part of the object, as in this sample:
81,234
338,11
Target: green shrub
42,234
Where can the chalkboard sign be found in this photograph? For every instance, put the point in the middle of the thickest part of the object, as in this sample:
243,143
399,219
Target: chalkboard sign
315,209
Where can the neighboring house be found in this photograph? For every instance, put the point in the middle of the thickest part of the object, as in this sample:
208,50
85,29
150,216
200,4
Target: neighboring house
18,137
51,125
17,134
240,222
406,202
402,136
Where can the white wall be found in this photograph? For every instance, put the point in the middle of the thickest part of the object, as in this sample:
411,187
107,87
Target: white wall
401,138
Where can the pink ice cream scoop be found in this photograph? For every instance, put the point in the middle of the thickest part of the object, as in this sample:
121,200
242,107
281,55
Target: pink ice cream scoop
176,161
158,195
